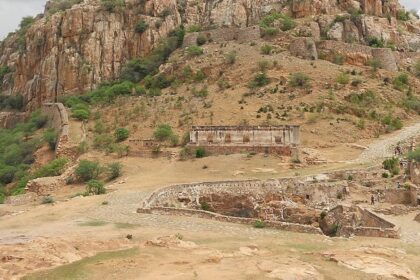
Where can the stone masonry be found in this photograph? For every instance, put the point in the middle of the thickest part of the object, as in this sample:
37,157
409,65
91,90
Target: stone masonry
232,139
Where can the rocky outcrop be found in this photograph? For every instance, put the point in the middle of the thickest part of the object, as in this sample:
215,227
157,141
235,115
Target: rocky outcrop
75,50
304,48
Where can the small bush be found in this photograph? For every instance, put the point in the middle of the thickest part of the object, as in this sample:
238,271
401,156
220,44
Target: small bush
385,175
80,114
259,224
163,132
343,79
141,26
50,136
112,5
95,187
121,134
323,214
401,81
201,40
414,155
259,80
87,170
299,80
114,170
51,169
200,153
375,42
47,200
266,49
263,65
392,165
205,206
403,15
194,50
231,58
338,59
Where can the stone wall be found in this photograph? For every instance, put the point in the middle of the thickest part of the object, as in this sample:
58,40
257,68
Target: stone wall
245,136
401,196
245,34
281,151
222,218
59,120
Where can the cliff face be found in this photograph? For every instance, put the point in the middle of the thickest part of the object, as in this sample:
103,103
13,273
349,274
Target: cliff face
77,49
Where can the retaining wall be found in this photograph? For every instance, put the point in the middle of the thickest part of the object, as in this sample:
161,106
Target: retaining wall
222,218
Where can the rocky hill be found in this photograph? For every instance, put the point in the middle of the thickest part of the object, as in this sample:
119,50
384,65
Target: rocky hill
76,45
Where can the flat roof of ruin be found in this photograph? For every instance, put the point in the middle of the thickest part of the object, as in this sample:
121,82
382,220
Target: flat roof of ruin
243,127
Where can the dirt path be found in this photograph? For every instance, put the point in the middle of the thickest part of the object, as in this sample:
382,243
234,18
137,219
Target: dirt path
384,147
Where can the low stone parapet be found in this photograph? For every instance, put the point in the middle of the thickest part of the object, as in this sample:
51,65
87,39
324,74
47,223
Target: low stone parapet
230,219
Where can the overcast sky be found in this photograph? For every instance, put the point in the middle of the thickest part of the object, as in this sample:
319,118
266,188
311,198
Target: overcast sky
12,11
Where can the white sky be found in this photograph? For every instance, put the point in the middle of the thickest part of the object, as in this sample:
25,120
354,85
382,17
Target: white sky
12,11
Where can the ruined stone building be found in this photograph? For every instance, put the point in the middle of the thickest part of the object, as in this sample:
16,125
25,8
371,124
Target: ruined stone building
282,140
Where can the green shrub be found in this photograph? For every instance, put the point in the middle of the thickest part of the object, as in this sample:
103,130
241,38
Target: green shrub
112,5
338,59
135,70
95,187
163,132
363,99
121,134
50,136
230,58
114,170
286,23
3,71
266,49
343,79
80,114
375,42
299,80
200,152
263,65
391,123
259,80
11,102
401,81
323,214
103,141
141,26
414,155
56,6
194,50
47,200
201,40
416,69
403,15
193,28
205,206
385,175
87,170
51,169
259,224
392,165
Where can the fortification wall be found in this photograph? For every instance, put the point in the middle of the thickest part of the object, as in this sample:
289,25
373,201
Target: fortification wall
59,120
224,34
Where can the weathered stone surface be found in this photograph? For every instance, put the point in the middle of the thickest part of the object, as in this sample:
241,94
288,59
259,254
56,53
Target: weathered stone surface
304,48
